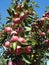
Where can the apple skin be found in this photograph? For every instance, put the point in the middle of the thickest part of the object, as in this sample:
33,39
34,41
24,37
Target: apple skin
28,49
9,62
47,42
47,18
16,14
48,31
17,21
21,40
18,50
14,38
43,34
13,24
27,12
7,44
22,16
19,30
13,33
8,30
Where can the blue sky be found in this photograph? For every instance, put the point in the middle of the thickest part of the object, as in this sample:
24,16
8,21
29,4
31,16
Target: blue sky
4,4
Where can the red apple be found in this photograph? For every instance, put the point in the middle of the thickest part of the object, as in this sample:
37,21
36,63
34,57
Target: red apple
13,32
18,50
46,41
16,14
18,7
9,62
22,16
27,12
28,49
21,40
17,21
13,24
47,18
7,44
19,30
48,31
14,38
8,29
43,34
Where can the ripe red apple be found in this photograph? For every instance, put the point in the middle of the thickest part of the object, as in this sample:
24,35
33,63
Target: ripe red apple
16,14
20,62
13,24
43,34
9,62
7,44
22,16
27,12
47,42
28,49
17,21
19,30
8,29
13,32
18,7
21,40
14,38
47,18
48,31
18,50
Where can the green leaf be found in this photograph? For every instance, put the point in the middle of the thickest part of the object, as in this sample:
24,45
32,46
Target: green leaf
26,59
14,45
25,5
27,29
34,42
37,6
9,11
27,1
33,3
47,8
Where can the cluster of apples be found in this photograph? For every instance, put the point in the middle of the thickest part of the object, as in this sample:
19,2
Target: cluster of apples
16,40
19,49
40,29
18,18
46,16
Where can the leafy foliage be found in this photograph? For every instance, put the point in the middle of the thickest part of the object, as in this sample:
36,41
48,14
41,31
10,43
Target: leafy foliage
25,37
